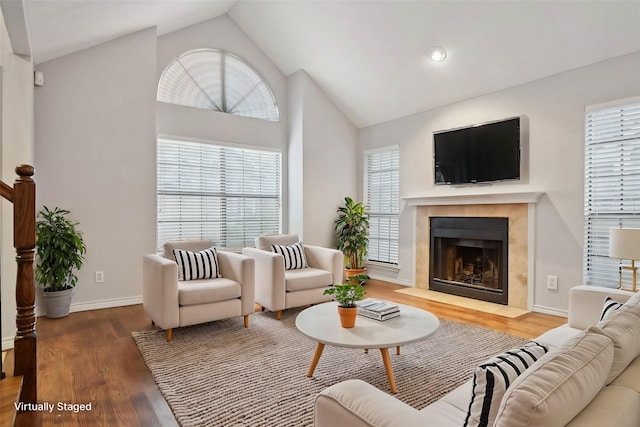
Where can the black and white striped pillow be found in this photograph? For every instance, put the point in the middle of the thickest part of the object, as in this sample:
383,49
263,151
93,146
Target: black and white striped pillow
197,265
294,257
610,305
492,378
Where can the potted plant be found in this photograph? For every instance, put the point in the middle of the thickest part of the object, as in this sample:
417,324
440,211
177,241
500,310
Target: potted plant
60,250
358,278
346,295
352,231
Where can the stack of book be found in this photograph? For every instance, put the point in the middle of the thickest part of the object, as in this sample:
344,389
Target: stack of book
376,309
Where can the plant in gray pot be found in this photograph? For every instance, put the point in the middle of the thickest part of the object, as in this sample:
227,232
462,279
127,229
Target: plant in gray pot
60,250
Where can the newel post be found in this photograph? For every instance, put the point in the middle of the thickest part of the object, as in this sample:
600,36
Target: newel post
24,240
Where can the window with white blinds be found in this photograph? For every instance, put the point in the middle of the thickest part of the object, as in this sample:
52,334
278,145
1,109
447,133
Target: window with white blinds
227,194
612,185
382,193
217,80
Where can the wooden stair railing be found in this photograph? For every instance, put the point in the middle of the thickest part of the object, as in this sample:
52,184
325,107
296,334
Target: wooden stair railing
23,197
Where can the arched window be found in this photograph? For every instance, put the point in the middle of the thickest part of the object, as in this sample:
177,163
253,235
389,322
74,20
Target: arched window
219,81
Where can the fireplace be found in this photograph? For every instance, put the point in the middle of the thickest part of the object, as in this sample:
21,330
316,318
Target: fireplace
469,257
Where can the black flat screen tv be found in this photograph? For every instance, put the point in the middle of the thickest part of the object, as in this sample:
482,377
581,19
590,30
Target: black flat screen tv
482,153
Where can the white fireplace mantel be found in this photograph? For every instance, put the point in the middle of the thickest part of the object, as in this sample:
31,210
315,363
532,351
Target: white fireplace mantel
483,202
474,198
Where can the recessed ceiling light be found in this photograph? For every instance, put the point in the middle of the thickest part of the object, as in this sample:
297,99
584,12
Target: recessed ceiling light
437,54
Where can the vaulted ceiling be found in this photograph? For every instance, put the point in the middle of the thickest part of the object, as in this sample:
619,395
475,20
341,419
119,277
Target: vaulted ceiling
369,57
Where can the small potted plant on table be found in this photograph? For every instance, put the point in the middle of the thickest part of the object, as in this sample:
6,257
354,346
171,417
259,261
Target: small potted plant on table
346,295
60,250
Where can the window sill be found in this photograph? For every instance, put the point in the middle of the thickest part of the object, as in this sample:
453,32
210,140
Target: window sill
383,266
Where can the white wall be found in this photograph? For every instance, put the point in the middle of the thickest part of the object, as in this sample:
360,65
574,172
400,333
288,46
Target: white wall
554,110
223,34
17,148
327,148
95,155
295,154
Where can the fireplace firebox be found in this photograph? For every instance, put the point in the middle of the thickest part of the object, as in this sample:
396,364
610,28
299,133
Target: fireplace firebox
469,257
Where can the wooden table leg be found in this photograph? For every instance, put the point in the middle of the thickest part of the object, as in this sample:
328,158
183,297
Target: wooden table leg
316,358
398,350
387,366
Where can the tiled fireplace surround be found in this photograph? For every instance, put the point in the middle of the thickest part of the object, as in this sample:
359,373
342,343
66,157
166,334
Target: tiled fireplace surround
519,208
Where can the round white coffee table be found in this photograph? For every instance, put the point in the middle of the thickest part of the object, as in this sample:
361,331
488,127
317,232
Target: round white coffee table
322,324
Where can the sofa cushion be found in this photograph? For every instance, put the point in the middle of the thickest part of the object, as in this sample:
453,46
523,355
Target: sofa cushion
439,413
623,327
206,291
197,265
610,305
294,257
557,336
492,378
306,278
554,390
613,406
634,300
459,397
630,377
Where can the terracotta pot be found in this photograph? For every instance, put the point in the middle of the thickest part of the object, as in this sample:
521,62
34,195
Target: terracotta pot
347,316
349,272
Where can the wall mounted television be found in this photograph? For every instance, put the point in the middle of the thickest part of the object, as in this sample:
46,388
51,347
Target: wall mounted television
481,153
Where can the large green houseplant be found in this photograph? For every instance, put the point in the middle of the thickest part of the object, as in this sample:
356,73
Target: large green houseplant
352,231
60,249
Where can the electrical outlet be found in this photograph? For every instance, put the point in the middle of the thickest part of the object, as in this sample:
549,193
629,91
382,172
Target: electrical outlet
99,276
552,283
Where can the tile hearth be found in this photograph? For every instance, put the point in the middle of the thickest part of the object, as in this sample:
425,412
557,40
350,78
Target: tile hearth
469,303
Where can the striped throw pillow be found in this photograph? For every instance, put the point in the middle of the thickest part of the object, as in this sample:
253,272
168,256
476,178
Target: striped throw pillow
197,265
294,257
492,378
610,305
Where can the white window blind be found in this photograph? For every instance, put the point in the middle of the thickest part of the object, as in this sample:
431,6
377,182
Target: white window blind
217,80
382,189
612,186
227,194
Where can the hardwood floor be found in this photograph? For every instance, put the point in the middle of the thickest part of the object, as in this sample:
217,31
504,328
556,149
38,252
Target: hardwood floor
90,357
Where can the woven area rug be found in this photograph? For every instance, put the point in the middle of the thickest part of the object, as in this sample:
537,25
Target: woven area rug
220,374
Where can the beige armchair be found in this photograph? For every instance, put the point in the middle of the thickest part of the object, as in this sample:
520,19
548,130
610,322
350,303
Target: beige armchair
173,303
278,289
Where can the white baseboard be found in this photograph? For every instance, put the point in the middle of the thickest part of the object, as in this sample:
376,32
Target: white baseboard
550,310
7,342
392,280
97,305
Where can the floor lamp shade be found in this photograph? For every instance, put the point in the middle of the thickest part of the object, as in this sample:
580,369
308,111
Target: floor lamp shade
624,243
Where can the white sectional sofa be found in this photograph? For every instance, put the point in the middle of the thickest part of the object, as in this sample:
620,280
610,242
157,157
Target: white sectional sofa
589,377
